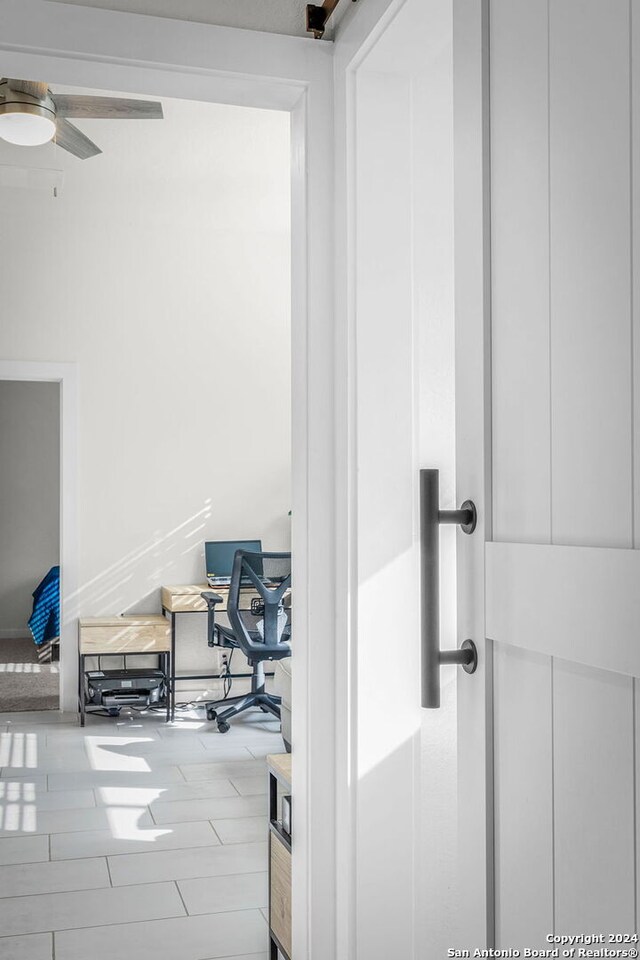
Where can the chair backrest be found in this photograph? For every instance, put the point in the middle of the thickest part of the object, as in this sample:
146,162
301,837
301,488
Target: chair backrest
257,631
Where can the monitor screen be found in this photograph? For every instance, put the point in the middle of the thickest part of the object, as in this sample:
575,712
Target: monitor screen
219,554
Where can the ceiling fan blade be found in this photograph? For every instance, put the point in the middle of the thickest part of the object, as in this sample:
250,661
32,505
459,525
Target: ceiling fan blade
70,138
33,88
106,108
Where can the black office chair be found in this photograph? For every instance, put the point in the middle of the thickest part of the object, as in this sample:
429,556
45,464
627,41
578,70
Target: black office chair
260,633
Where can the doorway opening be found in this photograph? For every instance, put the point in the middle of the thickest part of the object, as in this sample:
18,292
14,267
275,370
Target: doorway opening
245,68
176,314
30,537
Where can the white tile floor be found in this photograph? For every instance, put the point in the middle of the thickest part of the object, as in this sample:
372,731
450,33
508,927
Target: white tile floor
134,837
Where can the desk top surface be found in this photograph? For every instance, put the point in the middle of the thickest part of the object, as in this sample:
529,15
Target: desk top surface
280,765
186,598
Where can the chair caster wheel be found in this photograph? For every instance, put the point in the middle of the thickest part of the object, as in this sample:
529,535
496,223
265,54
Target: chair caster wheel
223,726
211,714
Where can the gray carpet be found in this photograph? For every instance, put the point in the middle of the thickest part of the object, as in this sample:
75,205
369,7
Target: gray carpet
26,684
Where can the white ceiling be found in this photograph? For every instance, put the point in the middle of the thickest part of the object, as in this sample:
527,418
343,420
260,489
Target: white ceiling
273,16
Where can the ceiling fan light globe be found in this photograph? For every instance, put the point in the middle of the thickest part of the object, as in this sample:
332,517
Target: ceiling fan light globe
26,128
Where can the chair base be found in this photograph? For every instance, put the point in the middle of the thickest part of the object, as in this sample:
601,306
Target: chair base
268,703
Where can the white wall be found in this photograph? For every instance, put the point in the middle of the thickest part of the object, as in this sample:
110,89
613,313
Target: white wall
163,271
29,496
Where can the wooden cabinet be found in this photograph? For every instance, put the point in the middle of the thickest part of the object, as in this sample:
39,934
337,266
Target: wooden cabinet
280,892
279,767
127,636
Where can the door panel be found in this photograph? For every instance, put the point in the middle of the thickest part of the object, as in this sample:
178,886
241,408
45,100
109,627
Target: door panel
593,762
590,256
520,269
523,796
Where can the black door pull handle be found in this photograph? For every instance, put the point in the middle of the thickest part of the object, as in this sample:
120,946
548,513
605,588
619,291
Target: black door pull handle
431,516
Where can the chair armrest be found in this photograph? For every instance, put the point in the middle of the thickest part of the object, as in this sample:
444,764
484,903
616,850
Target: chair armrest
211,599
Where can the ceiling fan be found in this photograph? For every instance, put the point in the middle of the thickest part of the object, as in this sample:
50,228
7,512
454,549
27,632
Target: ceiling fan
30,114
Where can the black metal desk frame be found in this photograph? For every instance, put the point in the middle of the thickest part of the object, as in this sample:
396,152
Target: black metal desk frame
172,614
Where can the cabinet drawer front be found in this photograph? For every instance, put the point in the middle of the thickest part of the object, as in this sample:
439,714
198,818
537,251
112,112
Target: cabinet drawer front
280,903
146,637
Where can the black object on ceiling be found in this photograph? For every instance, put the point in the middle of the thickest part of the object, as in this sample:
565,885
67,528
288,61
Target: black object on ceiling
318,16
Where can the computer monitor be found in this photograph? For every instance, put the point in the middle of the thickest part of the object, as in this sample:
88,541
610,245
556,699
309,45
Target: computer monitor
219,554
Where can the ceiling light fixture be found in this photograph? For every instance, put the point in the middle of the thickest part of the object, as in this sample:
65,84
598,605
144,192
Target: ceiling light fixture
31,115
26,124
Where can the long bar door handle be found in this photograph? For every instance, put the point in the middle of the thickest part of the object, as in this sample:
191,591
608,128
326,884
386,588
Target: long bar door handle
431,516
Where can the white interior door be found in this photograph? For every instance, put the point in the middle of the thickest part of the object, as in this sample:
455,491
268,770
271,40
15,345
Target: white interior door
548,381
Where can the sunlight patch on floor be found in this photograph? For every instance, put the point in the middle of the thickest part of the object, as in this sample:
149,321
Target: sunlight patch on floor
29,668
123,823
104,756
129,796
17,806
18,750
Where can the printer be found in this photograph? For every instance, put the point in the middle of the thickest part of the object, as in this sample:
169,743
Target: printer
113,689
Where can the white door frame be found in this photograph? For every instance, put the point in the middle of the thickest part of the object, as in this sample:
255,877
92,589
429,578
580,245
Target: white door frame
361,29
160,57
65,375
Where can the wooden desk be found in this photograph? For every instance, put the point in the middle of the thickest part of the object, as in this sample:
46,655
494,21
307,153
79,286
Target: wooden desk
187,598
279,772
124,636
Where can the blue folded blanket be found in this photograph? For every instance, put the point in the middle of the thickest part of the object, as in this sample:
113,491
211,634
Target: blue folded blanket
44,622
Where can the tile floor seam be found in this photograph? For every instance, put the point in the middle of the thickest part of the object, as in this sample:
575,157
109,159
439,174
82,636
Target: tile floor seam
98,856
221,842
144,853
126,923
121,923
106,860
181,773
54,893
187,914
149,883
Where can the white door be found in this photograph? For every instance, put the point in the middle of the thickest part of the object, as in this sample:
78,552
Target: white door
547,143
